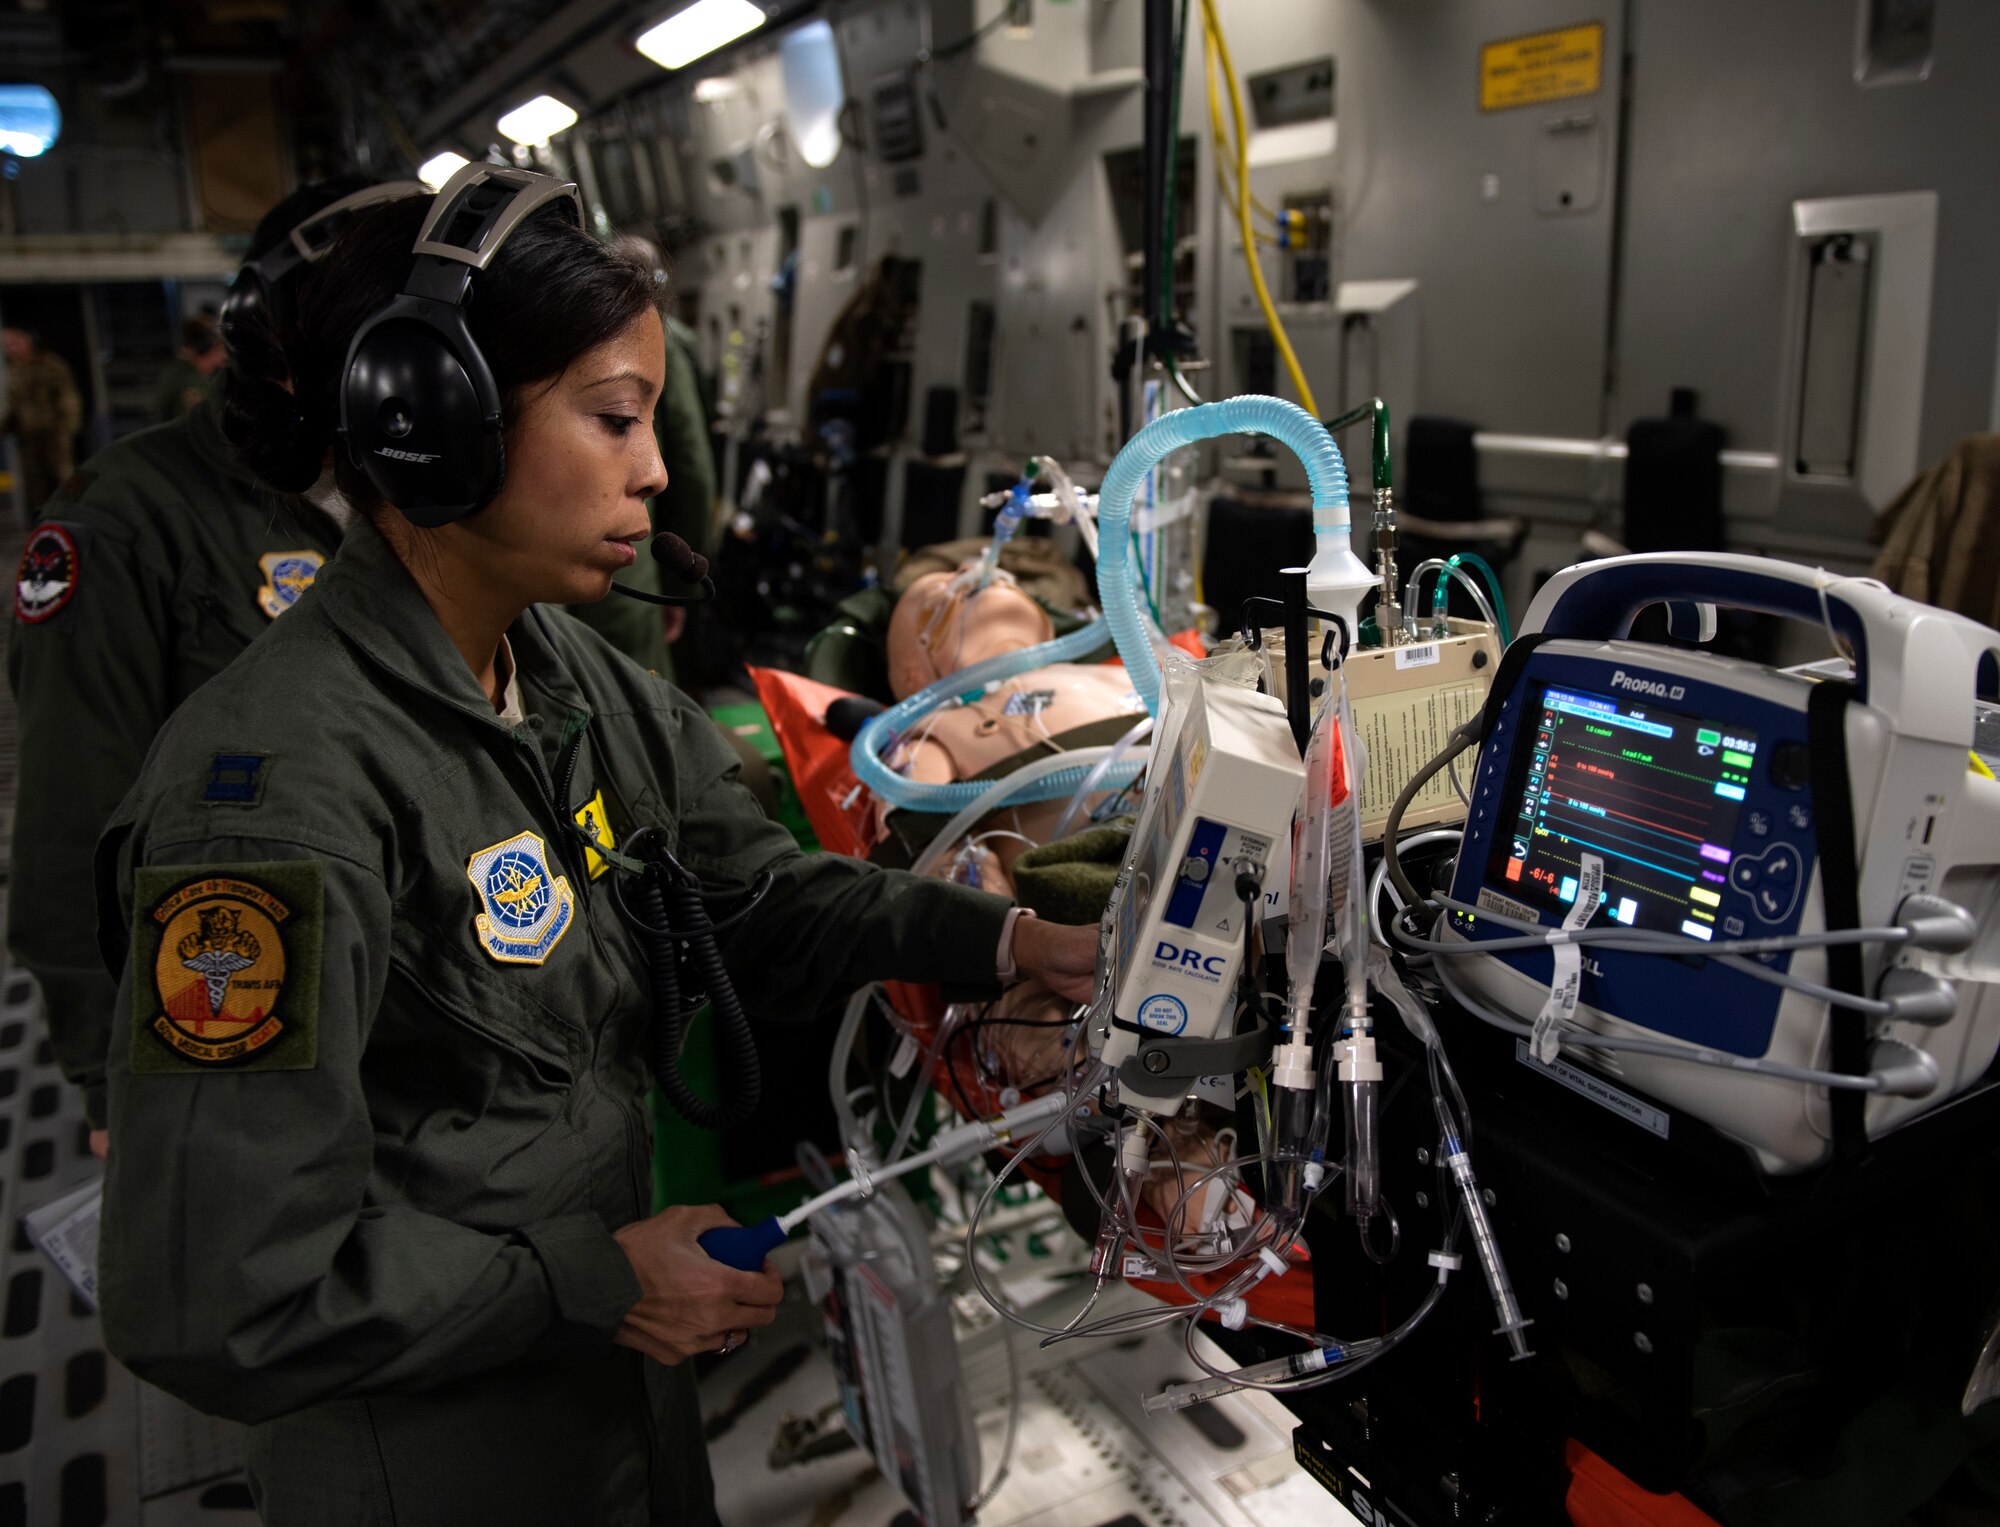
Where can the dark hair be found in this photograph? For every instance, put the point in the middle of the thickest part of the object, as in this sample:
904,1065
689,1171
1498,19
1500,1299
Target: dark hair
551,294
198,335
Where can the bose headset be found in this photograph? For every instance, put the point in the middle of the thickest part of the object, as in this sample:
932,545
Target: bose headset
254,288
419,409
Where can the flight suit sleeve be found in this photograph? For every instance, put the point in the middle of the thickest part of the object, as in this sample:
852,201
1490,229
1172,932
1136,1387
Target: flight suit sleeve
91,695
828,919
244,1265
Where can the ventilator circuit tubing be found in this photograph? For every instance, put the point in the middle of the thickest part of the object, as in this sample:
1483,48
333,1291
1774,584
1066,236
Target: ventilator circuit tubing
1284,422
911,794
1117,592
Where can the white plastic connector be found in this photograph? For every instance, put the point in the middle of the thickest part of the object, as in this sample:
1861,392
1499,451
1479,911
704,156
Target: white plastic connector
1447,1261
1232,1313
1133,1157
1274,1265
1336,579
1292,1066
1313,1175
1357,1059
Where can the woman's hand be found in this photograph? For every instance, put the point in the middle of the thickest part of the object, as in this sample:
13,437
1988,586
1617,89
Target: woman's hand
689,1302
1063,956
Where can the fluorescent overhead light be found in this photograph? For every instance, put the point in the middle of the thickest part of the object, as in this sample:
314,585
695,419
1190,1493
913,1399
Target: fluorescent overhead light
717,87
439,168
533,123
701,28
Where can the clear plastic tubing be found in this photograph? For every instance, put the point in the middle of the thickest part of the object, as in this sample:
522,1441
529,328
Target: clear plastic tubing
1364,1160
1117,588
1024,784
1312,870
1277,1371
1095,780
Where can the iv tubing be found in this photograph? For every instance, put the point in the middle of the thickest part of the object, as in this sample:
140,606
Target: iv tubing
1094,781
1029,782
1116,591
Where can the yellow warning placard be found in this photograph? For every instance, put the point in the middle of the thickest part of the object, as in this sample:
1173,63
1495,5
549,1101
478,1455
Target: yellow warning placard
1547,66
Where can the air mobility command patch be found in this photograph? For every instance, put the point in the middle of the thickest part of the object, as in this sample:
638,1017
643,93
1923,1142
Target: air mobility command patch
225,967
525,907
46,579
287,575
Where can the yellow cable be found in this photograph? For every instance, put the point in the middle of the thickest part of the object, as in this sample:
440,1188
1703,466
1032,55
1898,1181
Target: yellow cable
1213,28
1224,153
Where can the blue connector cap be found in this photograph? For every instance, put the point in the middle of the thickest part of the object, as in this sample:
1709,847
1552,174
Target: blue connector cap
743,1246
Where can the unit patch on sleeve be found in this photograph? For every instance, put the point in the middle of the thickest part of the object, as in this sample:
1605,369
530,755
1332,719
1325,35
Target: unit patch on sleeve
525,907
287,575
225,967
46,579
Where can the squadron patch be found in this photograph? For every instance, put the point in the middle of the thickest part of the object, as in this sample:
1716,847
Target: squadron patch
526,907
233,956
595,820
46,579
287,575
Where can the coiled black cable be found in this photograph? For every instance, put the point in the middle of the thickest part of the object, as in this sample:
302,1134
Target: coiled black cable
669,912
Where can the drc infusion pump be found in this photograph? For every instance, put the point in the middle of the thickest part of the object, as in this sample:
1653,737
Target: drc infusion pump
1797,879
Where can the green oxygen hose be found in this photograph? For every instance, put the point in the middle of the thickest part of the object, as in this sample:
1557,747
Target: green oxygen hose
1384,478
1506,631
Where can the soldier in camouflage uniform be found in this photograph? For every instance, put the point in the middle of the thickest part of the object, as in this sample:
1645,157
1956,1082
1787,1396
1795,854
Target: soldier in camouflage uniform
44,413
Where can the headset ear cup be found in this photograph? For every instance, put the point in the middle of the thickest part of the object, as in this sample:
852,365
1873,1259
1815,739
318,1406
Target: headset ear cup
244,311
420,414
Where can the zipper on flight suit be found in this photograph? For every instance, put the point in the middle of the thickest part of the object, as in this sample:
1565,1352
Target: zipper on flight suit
575,860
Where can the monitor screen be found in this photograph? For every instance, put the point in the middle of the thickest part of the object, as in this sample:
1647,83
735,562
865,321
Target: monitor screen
1655,793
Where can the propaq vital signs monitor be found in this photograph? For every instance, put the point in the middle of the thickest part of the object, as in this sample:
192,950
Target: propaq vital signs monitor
1706,788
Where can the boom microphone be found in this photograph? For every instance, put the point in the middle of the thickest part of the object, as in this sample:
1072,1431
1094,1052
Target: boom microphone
684,562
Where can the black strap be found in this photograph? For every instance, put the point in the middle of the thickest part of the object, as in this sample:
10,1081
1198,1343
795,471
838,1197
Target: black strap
1839,884
1512,661
1185,1060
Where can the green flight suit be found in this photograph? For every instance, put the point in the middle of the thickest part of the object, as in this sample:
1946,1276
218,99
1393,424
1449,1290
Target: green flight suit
175,559
687,508
367,1204
182,389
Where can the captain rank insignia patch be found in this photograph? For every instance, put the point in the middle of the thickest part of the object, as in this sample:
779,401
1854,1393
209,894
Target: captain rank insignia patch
226,968
287,575
525,907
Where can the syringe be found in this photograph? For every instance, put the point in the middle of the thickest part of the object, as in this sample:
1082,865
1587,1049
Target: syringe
1276,1371
1512,1322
